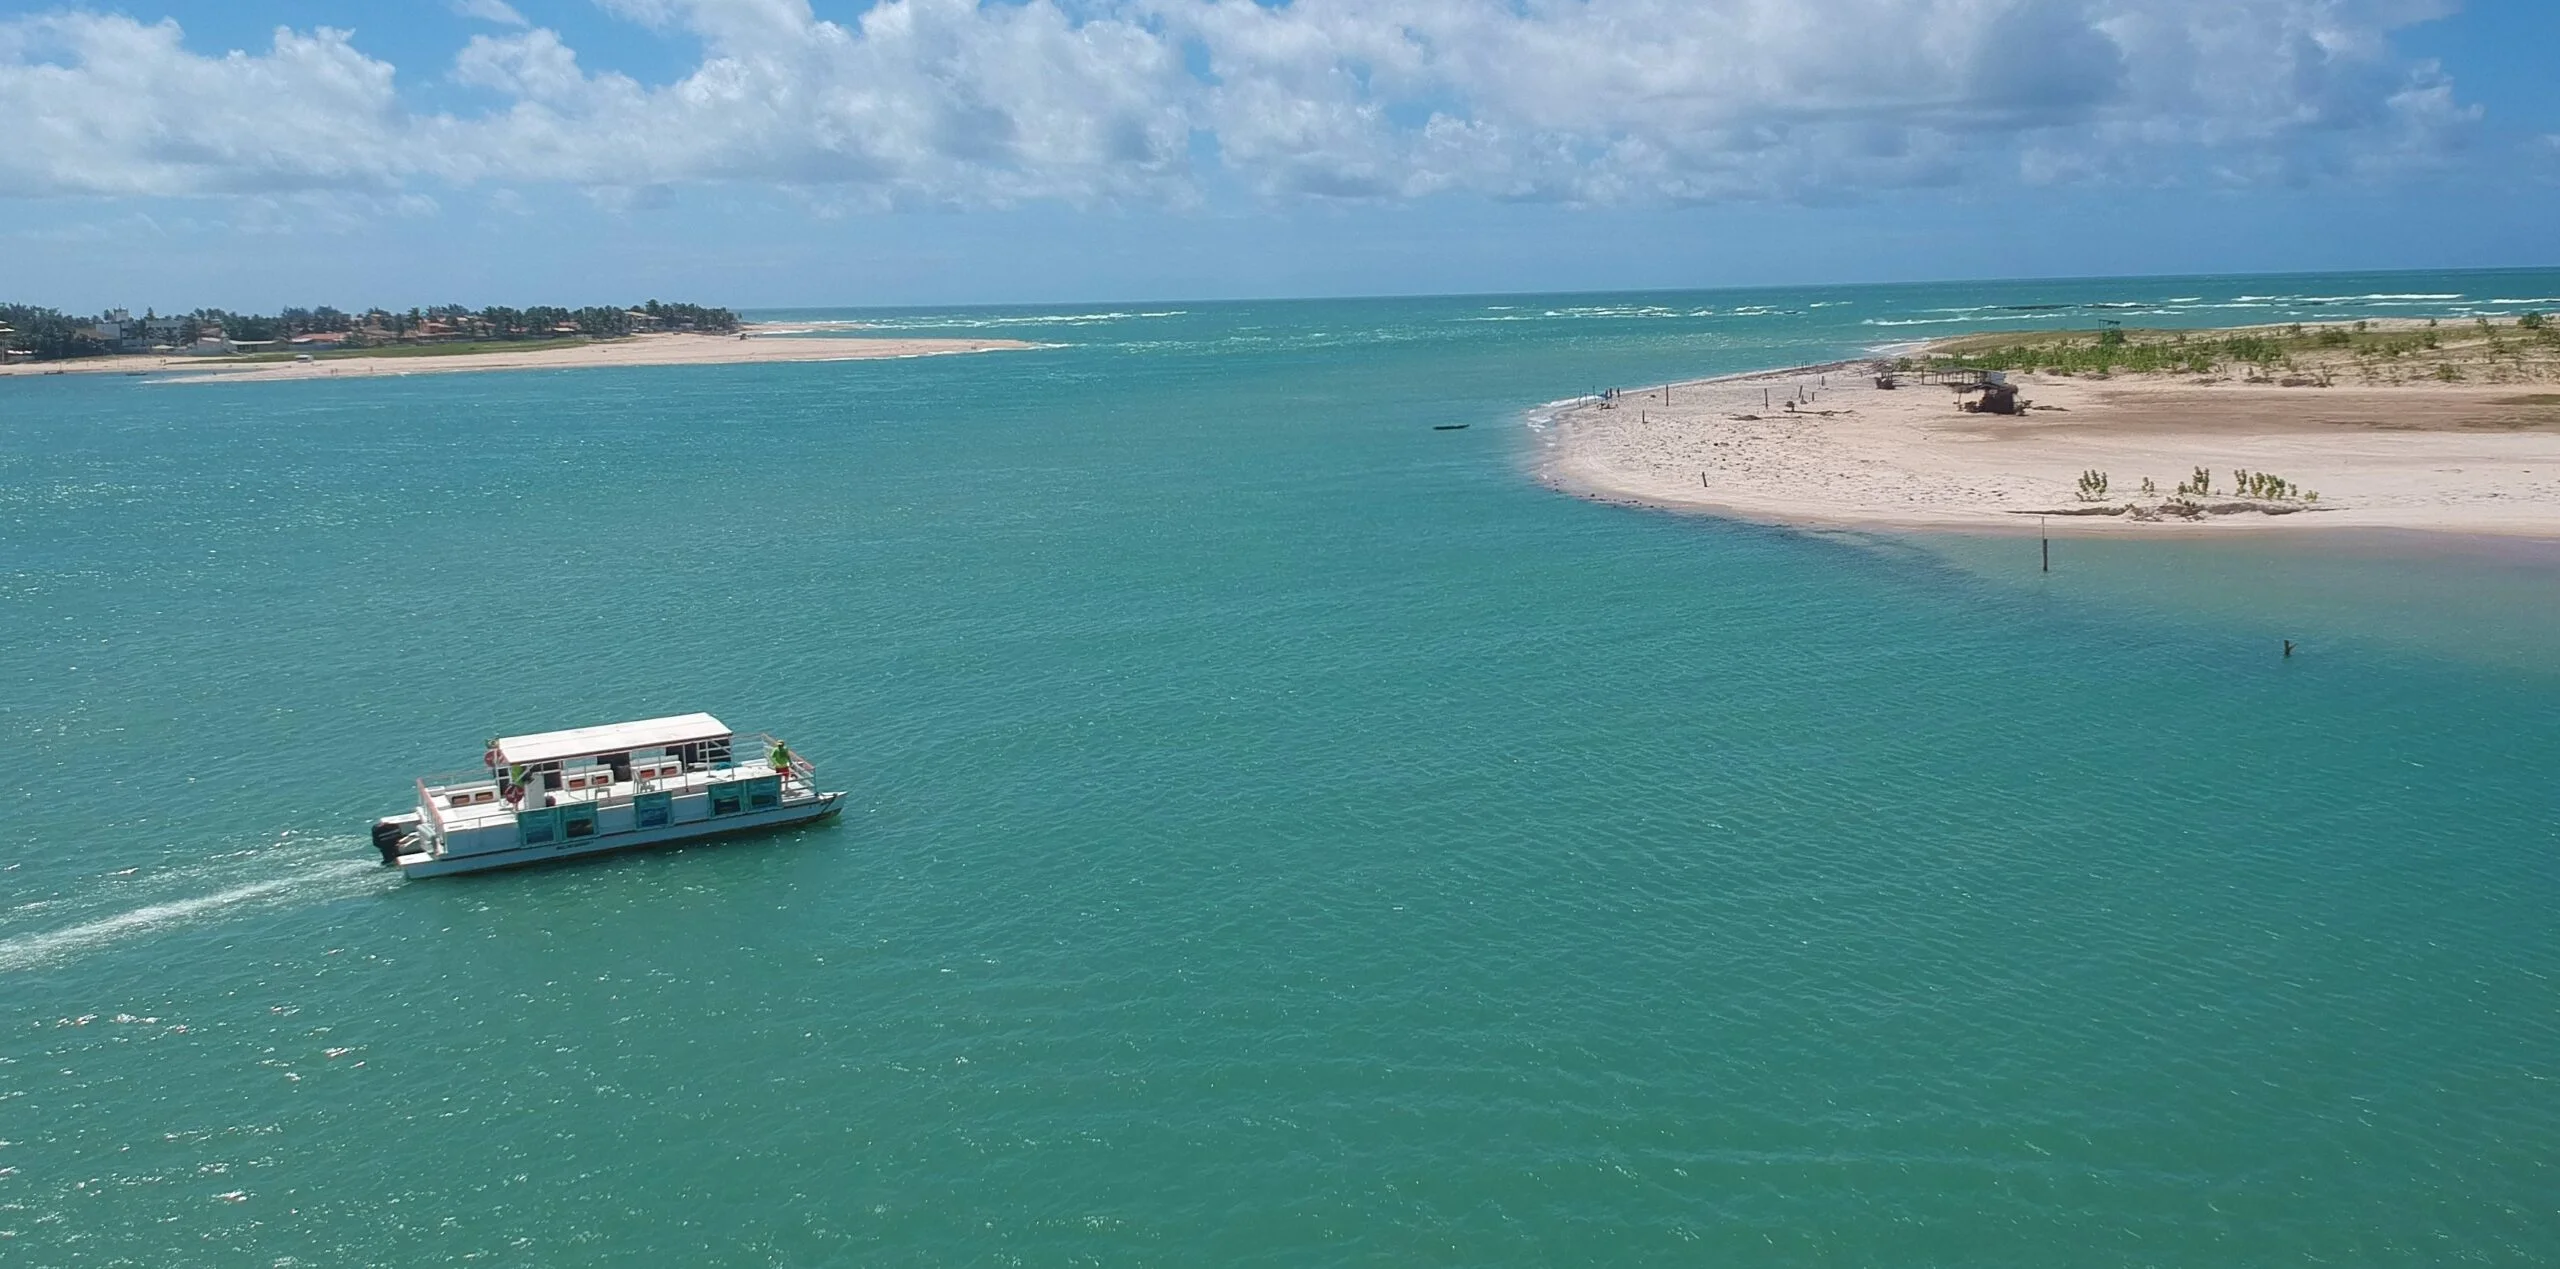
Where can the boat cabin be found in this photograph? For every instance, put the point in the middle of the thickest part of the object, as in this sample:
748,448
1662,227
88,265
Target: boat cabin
588,757
552,788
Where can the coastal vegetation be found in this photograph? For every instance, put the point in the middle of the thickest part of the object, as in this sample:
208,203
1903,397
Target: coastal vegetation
2265,485
2188,498
43,334
2525,348
30,332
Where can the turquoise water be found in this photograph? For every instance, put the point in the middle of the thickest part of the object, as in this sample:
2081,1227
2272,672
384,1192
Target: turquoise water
1281,833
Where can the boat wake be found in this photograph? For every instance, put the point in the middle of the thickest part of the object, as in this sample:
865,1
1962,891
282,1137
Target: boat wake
307,880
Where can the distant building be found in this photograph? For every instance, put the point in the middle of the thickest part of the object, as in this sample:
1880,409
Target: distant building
114,330
319,341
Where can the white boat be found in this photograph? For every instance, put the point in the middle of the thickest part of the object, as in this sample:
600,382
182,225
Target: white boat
588,790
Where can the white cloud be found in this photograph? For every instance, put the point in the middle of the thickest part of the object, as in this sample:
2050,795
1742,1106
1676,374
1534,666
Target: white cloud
498,11
928,101
1612,99
107,105
921,100
533,67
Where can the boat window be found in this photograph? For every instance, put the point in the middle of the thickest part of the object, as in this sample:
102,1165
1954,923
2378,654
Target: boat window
578,820
538,828
653,810
726,798
764,794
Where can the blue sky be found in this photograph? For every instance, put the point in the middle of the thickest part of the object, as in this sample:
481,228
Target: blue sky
782,153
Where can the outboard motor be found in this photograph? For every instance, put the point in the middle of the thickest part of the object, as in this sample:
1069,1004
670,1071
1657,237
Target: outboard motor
386,838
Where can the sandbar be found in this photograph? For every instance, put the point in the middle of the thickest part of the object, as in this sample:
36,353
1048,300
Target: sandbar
754,344
1826,446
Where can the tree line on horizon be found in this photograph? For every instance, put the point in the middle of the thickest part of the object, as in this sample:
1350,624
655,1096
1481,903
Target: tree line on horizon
50,334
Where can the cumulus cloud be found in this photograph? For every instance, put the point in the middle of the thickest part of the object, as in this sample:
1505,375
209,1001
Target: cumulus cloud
1612,99
107,105
920,100
962,102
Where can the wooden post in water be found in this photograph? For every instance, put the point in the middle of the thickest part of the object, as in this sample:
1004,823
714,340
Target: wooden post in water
2047,542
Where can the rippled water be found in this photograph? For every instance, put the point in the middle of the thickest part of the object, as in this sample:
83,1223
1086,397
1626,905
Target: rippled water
1281,833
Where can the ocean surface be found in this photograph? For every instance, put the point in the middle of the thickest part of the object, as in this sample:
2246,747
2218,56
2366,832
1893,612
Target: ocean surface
1281,833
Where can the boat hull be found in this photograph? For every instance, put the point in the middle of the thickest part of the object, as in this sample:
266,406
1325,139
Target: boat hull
824,806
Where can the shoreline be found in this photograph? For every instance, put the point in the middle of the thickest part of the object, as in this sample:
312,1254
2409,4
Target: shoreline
756,343
1824,447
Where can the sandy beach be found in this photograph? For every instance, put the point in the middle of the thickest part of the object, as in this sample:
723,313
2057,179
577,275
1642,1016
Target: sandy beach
757,345
1825,446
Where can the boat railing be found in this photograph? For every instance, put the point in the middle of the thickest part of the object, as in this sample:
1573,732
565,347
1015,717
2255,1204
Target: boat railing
799,766
740,754
427,803
434,791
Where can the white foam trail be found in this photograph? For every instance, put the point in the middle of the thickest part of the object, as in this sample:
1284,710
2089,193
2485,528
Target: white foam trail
29,950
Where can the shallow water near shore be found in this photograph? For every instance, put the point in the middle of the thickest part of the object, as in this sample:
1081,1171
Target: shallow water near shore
2450,597
1281,832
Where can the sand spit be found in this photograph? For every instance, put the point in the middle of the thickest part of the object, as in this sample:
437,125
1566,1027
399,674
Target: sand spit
1825,446
639,350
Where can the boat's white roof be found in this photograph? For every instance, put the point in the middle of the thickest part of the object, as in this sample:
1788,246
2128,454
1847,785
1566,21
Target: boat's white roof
579,742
